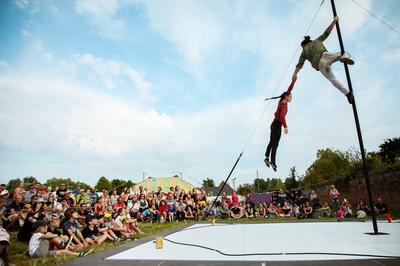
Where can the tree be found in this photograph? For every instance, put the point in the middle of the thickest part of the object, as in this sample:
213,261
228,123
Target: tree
390,150
260,185
12,185
245,189
121,184
56,182
30,181
290,181
331,165
208,182
103,184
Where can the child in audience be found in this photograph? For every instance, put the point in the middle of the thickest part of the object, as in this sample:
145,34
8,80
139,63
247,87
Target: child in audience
39,244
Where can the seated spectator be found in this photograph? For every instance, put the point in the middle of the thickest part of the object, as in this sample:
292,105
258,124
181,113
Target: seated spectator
346,207
12,212
99,206
249,211
362,210
70,228
29,218
380,207
324,211
262,210
4,245
83,211
314,200
224,211
154,214
198,212
271,212
225,199
63,242
163,211
82,197
120,227
171,207
237,211
121,204
91,232
235,198
210,210
286,209
308,210
39,245
281,197
180,214
106,229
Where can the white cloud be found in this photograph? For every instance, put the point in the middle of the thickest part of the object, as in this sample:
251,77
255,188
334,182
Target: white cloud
111,71
104,15
4,64
35,6
22,3
25,34
392,57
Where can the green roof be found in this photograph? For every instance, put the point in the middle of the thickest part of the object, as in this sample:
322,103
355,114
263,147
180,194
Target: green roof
152,183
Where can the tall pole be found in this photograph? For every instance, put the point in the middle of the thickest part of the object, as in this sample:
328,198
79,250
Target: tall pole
360,140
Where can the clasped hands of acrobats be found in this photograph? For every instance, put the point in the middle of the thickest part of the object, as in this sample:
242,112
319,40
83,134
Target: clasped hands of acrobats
321,60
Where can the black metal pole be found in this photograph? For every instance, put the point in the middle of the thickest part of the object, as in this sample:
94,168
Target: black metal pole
360,140
219,193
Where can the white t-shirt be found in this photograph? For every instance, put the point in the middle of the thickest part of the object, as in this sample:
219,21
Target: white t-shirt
34,242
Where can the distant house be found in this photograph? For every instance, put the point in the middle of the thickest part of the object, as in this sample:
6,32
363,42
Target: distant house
213,191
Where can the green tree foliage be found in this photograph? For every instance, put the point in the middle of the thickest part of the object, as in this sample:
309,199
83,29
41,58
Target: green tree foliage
245,189
332,165
103,184
390,150
208,182
30,181
121,184
12,185
291,181
69,183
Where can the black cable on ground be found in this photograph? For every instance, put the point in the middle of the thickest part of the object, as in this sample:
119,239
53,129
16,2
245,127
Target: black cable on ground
269,253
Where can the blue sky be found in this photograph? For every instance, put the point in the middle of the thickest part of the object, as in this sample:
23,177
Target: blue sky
118,88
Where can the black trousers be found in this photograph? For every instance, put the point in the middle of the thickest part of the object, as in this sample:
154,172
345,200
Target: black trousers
276,132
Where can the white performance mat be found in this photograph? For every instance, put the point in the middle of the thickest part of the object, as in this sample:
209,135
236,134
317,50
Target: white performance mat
281,238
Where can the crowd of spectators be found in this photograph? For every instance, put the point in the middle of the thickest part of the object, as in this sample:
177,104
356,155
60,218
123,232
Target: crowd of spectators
64,220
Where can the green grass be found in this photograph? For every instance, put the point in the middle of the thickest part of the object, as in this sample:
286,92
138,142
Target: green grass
17,248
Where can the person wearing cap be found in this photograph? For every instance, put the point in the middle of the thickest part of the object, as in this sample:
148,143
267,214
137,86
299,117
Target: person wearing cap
91,231
4,201
82,197
39,244
70,228
4,245
70,198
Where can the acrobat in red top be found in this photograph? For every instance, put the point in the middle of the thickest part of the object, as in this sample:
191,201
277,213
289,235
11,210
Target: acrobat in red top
282,109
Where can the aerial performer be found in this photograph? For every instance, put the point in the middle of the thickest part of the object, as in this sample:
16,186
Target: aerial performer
276,126
320,59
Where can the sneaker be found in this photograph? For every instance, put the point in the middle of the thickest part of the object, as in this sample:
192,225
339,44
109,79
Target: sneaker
273,166
87,252
346,59
267,163
350,97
